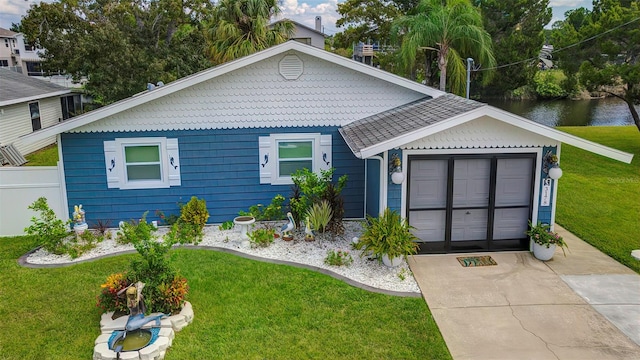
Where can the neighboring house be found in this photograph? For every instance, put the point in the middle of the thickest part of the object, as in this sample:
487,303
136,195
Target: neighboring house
307,35
470,177
28,104
17,55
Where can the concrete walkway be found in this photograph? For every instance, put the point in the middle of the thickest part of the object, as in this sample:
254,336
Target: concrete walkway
585,306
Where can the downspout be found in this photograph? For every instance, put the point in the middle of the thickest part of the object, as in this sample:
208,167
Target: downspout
382,199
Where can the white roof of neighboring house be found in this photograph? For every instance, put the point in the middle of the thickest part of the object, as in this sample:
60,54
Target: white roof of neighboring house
428,111
17,88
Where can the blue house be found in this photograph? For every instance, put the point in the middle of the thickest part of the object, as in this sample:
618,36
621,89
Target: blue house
466,175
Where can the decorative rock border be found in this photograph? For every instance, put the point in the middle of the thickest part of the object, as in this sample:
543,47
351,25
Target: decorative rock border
156,351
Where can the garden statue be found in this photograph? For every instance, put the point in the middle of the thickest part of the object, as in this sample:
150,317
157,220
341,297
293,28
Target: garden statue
80,223
135,321
308,232
288,228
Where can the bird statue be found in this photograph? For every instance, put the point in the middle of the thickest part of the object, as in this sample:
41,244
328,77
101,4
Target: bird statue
309,235
288,227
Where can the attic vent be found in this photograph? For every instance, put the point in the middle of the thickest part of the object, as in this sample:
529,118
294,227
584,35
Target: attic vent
291,67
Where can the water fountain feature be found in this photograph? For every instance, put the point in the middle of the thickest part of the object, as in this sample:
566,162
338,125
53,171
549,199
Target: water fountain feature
137,336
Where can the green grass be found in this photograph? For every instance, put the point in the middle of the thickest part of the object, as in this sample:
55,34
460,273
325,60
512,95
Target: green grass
44,157
599,198
244,309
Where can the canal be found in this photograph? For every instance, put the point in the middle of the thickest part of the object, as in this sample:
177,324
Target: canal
597,112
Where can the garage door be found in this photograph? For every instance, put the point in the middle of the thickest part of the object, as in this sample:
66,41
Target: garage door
470,203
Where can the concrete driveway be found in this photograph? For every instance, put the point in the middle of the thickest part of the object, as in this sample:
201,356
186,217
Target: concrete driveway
584,306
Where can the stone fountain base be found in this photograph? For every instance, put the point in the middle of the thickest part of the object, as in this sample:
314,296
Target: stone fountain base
156,351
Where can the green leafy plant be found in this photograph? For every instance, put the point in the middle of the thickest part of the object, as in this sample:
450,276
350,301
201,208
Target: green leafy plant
274,211
133,232
77,245
190,226
172,295
319,215
227,225
167,220
338,258
261,237
47,227
108,299
310,188
332,194
387,234
541,234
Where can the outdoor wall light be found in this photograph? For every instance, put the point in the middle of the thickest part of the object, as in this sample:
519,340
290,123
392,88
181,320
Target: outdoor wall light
395,168
551,167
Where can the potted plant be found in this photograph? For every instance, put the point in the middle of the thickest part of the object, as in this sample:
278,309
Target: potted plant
388,237
544,241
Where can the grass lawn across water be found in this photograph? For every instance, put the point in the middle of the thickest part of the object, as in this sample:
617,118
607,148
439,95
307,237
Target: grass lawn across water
599,198
244,309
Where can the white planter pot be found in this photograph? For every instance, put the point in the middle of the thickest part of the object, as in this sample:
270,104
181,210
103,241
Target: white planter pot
542,252
396,261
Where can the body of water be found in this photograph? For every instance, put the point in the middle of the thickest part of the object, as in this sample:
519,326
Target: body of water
598,112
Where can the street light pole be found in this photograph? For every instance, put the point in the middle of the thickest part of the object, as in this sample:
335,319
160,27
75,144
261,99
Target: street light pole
469,64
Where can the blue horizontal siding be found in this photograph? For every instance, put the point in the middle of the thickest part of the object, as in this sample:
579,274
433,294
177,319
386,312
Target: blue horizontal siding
220,166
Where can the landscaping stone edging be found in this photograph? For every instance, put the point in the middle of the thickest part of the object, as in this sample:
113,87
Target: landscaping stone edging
22,261
156,351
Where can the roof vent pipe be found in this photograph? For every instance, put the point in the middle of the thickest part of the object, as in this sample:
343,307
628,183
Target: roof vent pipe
319,23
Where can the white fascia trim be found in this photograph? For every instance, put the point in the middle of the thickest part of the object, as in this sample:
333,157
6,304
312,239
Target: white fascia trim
219,70
508,118
34,97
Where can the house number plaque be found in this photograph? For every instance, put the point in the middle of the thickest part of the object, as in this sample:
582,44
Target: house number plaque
546,192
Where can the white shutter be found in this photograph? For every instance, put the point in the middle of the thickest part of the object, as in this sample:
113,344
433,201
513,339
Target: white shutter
113,165
173,160
325,152
266,159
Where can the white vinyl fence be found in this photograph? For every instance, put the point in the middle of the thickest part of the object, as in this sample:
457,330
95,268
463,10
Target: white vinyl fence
20,187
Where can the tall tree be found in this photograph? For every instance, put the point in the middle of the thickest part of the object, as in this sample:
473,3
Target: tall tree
608,50
370,19
239,28
517,30
451,28
119,46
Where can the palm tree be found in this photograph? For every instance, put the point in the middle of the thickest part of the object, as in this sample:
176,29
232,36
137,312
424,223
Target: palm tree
238,28
451,28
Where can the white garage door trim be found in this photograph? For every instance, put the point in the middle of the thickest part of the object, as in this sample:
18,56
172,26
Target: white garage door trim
476,159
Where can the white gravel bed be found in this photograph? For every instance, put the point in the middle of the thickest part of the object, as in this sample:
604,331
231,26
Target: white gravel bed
362,270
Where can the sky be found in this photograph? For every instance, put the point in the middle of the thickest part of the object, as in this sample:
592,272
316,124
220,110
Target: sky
303,12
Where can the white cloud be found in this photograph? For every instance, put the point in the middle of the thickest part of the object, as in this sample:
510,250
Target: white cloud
305,13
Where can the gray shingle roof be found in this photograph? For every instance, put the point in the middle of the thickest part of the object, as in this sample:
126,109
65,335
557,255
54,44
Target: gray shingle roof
15,86
396,122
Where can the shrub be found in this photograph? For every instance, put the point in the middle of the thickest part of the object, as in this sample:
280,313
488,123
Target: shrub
227,225
332,194
76,246
338,258
387,234
273,211
310,188
47,227
108,299
319,215
190,226
172,295
133,232
261,237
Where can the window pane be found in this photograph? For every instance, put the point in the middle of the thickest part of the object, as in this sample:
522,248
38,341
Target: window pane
289,167
143,172
139,154
295,149
34,108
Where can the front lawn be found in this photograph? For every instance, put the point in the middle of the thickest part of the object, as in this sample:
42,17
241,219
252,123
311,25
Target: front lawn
244,309
599,198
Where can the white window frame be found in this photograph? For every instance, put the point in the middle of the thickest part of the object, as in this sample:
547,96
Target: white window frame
269,170
115,166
